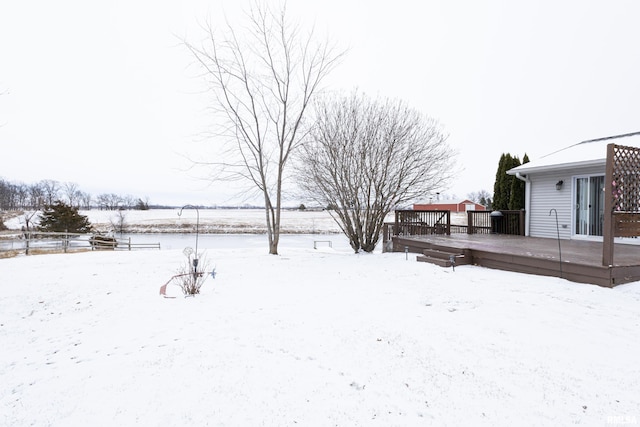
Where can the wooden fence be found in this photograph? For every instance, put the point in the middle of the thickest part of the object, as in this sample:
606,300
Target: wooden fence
32,242
423,222
418,223
497,222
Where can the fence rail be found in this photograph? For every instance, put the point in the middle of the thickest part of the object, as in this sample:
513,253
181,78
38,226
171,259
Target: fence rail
496,222
29,242
418,223
422,222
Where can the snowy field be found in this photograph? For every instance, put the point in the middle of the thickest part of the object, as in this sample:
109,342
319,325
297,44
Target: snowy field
318,337
220,221
248,221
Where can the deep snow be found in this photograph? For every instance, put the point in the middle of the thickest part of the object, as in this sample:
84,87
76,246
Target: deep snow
310,337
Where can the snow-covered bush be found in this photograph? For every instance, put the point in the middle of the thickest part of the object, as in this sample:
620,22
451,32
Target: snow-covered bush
192,274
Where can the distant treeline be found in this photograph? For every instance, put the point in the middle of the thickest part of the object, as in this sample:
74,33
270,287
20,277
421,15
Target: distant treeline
21,196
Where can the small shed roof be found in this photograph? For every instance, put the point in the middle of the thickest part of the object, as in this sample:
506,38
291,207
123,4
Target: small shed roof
587,153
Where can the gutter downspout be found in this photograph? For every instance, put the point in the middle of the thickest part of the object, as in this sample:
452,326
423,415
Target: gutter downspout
527,200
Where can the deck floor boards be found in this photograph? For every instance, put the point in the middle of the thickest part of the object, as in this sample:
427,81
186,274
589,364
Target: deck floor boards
577,253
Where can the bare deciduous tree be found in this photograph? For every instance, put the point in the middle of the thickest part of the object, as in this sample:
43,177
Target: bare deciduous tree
119,221
263,80
482,197
366,157
85,200
51,190
73,194
109,201
22,193
28,216
37,196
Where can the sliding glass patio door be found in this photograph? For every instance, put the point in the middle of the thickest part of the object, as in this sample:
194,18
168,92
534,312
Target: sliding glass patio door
589,205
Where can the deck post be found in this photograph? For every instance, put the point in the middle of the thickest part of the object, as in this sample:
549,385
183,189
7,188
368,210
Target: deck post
385,236
607,232
396,229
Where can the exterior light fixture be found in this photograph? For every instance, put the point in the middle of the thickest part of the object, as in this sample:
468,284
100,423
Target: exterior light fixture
559,185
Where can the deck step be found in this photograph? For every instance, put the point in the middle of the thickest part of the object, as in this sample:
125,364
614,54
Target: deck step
443,258
436,261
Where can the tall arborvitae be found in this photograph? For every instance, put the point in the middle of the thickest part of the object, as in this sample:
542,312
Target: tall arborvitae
502,186
497,186
516,193
518,188
508,191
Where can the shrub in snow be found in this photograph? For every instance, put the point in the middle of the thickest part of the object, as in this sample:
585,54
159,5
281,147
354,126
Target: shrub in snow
192,274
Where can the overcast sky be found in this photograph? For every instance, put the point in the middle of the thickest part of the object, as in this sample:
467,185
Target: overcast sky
102,93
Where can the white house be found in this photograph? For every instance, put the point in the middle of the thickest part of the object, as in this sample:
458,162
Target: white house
569,183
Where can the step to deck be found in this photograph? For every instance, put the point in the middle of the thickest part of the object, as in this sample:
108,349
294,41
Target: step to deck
443,258
436,261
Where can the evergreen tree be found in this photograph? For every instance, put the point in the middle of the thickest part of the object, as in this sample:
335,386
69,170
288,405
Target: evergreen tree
508,191
517,198
500,189
516,188
486,201
60,217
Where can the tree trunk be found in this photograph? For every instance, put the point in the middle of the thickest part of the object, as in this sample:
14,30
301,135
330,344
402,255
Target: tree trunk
273,246
273,225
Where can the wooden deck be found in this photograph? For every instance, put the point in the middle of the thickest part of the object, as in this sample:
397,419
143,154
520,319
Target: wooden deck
581,260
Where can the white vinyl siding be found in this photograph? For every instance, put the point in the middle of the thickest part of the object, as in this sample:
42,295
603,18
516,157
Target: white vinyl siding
545,197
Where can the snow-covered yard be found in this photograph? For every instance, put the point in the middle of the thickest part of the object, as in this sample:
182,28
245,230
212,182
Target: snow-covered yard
310,337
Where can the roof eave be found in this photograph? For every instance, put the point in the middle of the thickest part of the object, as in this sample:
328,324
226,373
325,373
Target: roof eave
552,168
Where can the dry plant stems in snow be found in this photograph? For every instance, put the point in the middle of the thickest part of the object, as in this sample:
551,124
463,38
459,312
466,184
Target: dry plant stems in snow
366,157
192,274
263,79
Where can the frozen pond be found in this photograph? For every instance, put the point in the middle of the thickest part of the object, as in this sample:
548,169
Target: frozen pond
180,241
219,229
170,241
234,241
